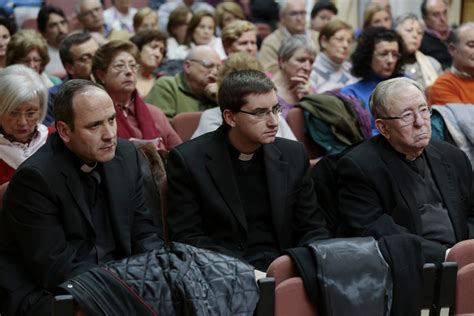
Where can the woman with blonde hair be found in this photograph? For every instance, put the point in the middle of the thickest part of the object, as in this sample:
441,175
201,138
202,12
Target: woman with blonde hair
145,19
226,13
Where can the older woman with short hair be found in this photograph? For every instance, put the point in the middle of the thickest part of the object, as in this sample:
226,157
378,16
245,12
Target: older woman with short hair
295,58
29,48
418,66
240,36
23,106
152,47
145,19
115,66
331,70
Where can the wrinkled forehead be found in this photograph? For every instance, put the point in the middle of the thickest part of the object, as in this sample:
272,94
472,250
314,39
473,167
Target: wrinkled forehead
90,4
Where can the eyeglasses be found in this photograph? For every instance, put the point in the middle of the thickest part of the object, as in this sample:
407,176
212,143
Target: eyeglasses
261,114
122,67
385,55
206,63
29,115
294,14
86,58
91,12
410,117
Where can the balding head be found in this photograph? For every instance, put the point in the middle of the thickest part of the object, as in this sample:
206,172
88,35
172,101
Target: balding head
200,68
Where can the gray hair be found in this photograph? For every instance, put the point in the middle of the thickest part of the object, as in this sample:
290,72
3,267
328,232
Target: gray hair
294,43
379,103
454,37
77,6
282,4
405,17
22,84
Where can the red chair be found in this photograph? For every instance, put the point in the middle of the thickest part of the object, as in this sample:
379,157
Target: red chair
462,253
29,24
185,124
465,290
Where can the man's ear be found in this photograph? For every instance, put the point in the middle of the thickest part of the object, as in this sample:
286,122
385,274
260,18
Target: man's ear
228,116
64,131
382,127
452,49
69,69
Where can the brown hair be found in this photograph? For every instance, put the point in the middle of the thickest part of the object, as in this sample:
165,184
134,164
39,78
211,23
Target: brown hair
23,42
178,17
233,31
193,24
373,8
332,28
229,7
238,61
106,53
140,15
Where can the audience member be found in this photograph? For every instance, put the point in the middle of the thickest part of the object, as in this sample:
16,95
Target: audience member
120,15
76,52
22,108
400,182
435,15
295,58
211,119
377,15
66,209
201,31
240,190
6,31
226,13
193,5
152,47
177,28
193,89
145,19
29,48
457,85
115,66
418,66
53,25
239,36
331,70
378,56
322,13
292,22
91,15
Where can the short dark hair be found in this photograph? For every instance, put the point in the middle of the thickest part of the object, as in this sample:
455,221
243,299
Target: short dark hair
63,103
43,16
239,84
323,5
7,23
68,42
362,56
146,36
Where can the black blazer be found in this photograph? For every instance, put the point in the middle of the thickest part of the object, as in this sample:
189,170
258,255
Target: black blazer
46,224
376,198
204,205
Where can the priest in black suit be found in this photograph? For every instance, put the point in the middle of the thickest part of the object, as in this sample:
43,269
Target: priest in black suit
240,190
75,204
401,181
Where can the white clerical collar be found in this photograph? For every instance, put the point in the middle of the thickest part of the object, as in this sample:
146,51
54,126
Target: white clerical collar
245,157
87,168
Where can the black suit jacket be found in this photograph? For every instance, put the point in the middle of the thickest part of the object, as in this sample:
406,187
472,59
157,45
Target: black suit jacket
376,198
204,204
46,226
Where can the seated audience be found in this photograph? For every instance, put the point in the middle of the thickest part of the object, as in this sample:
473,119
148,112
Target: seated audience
400,182
120,15
322,13
145,19
377,15
211,119
457,85
22,108
115,66
193,5
152,47
331,70
226,13
28,47
177,28
53,25
378,56
239,36
240,190
418,66
292,22
295,57
76,52
193,89
437,31
75,204
6,31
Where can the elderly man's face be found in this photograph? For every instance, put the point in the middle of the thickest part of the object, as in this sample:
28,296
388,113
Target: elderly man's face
202,69
406,103
293,17
463,51
437,16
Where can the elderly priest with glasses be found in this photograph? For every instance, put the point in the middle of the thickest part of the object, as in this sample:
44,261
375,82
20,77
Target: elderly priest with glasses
401,182
241,190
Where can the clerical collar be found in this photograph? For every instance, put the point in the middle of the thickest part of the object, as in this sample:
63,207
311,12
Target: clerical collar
88,168
245,157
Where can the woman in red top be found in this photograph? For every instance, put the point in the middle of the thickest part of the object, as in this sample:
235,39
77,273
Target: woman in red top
22,107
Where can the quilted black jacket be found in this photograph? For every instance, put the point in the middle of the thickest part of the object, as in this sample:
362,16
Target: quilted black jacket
175,280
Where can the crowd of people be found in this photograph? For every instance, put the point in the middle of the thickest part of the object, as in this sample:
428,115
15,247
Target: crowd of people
388,98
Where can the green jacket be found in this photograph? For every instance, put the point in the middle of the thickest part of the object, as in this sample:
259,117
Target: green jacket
173,95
